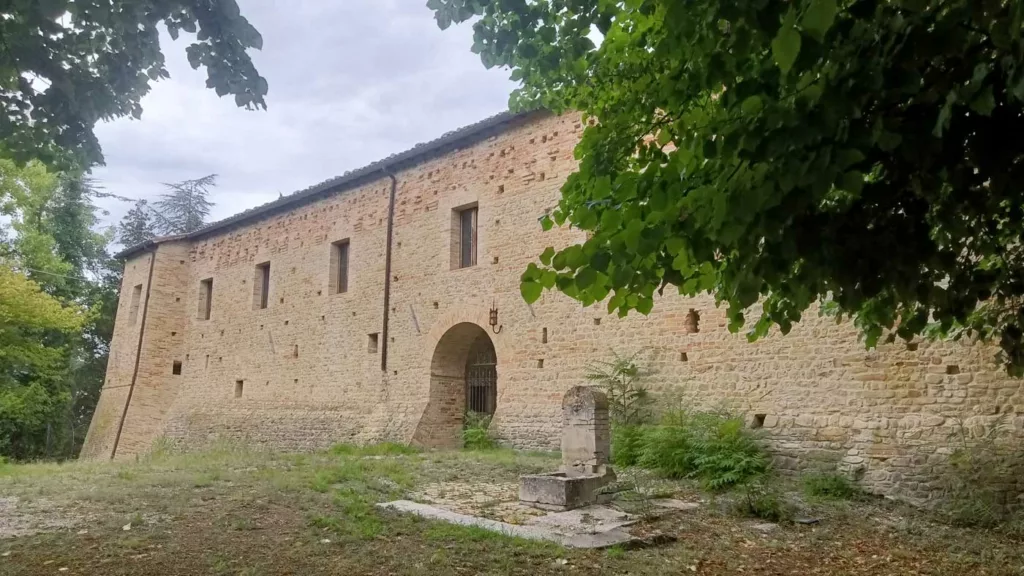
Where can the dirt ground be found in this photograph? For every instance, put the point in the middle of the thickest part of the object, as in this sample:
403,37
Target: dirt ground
232,511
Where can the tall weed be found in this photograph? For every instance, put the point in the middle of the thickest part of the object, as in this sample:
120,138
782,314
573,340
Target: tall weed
762,499
980,482
475,435
716,449
713,447
830,486
628,444
621,379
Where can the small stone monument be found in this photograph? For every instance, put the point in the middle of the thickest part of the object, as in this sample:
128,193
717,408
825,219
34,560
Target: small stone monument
586,446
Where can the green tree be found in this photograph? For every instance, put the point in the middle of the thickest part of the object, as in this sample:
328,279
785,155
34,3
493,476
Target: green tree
137,225
53,242
783,153
33,370
184,209
64,65
25,197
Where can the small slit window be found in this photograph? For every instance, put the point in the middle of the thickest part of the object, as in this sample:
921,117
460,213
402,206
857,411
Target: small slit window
205,298
133,311
239,385
261,286
372,343
176,368
339,267
464,237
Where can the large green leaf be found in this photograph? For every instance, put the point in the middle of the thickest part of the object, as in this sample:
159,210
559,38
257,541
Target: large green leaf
530,291
785,48
819,17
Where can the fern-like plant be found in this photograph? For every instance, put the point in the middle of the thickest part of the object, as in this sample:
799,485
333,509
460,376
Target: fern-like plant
621,378
714,448
475,435
979,482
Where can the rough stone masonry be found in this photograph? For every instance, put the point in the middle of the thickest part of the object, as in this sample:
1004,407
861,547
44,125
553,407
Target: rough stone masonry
360,310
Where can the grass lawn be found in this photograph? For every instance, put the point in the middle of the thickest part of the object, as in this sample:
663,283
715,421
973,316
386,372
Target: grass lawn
233,511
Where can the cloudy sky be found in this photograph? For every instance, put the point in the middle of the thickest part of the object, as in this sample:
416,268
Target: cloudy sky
351,81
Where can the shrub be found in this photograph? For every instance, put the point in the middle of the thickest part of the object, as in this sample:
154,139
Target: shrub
637,498
621,379
760,499
979,483
475,435
830,486
669,450
728,454
714,448
627,445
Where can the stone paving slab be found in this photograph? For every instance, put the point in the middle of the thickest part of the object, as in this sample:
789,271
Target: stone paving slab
675,504
588,520
604,539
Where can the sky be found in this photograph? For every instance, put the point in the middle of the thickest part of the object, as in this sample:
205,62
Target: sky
351,82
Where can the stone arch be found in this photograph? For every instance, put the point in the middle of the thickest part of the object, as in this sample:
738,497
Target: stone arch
440,426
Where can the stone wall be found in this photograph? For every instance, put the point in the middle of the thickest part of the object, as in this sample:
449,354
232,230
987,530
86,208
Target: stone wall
303,373
140,388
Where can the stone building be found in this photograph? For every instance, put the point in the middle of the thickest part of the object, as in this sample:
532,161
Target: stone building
378,304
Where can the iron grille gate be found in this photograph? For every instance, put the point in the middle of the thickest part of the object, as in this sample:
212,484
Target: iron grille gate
482,377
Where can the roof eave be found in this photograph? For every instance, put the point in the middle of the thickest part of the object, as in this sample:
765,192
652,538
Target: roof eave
417,155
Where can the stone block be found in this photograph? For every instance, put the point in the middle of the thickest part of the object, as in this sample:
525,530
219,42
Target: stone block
586,431
560,491
805,420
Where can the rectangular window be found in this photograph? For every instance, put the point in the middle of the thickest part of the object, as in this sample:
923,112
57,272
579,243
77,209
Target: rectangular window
261,286
464,239
339,267
371,345
205,298
239,384
133,312
176,368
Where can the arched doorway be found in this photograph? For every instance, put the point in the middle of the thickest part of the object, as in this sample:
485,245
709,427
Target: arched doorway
463,374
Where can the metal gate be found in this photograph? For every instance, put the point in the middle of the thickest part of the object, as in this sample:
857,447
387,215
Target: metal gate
482,377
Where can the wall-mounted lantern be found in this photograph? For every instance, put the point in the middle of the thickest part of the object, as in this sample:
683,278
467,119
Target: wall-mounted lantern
493,318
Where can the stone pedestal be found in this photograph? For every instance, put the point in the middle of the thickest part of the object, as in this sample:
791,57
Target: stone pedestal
586,445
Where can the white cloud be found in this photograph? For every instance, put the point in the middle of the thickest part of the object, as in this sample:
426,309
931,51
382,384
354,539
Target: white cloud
350,82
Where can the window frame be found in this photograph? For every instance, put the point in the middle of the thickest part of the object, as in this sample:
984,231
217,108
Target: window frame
261,286
134,304
462,217
205,311
341,260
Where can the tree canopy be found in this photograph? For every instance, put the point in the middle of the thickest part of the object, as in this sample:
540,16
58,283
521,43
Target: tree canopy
64,65
58,293
137,225
779,154
32,369
184,208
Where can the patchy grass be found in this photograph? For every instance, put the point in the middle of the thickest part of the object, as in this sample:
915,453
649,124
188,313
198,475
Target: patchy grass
830,486
236,511
382,449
